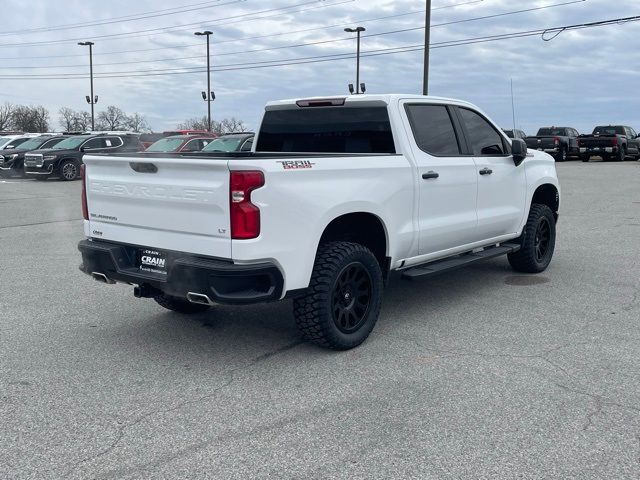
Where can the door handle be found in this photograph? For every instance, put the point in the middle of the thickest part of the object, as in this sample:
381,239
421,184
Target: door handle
486,171
430,175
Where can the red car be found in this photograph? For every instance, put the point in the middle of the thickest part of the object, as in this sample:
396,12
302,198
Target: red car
181,143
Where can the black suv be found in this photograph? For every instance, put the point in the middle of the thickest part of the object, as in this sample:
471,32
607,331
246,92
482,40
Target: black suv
12,161
65,158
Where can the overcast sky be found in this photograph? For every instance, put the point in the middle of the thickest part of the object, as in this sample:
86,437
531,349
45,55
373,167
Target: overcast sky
579,79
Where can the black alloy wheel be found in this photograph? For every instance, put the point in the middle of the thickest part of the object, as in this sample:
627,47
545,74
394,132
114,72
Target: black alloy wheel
542,240
351,297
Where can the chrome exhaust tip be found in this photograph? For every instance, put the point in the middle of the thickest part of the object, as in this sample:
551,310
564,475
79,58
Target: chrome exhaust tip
102,278
199,298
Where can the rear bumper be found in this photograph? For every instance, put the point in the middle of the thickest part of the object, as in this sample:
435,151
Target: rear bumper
597,150
222,281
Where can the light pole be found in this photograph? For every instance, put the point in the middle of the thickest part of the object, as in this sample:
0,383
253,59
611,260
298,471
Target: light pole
357,30
427,46
91,99
208,96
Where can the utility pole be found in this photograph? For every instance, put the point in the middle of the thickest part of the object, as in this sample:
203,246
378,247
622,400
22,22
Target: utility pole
359,31
208,96
92,100
427,46
513,108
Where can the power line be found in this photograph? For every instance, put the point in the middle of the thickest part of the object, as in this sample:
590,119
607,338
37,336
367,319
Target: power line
260,15
289,32
312,43
123,19
346,56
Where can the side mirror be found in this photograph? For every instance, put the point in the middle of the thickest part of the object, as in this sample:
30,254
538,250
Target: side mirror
519,151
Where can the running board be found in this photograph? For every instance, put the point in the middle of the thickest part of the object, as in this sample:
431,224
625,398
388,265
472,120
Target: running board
452,263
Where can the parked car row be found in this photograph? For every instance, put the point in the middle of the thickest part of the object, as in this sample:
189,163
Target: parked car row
42,156
612,142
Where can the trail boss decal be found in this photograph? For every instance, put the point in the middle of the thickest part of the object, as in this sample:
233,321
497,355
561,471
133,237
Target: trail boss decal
296,164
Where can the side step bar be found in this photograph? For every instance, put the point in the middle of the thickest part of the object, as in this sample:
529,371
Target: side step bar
459,261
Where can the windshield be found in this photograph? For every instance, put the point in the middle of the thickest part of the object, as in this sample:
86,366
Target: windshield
327,130
166,145
224,144
69,143
31,144
543,132
608,131
4,140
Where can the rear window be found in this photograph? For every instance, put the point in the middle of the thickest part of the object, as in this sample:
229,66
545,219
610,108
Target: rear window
548,132
608,131
327,130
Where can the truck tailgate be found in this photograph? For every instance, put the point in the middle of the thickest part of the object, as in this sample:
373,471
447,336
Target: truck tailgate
178,204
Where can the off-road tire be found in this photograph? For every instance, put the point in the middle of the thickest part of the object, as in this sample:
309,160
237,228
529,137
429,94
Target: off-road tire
179,305
529,258
320,313
621,155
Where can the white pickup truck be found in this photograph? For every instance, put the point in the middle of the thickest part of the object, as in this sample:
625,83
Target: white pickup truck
337,193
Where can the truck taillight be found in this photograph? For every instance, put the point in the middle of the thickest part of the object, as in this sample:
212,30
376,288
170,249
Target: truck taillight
85,207
556,141
245,216
614,141
579,142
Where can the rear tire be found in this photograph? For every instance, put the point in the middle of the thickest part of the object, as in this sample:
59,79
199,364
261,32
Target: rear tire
344,298
621,155
585,158
179,305
562,155
537,242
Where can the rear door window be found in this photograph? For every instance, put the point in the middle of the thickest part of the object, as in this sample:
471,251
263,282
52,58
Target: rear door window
327,130
483,137
433,130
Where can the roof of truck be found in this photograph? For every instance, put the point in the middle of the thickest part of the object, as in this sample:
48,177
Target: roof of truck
368,98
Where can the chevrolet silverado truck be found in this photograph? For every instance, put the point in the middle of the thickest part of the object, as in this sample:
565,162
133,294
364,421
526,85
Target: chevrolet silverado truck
560,142
336,194
613,142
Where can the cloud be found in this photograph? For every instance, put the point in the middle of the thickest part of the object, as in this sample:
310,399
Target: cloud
579,79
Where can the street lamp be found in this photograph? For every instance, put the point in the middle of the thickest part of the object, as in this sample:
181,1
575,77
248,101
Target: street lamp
93,99
357,30
208,96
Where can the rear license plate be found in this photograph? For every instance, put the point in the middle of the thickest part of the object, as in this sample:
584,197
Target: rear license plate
153,261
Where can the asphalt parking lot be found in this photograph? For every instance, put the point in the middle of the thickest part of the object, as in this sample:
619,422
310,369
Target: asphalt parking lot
479,373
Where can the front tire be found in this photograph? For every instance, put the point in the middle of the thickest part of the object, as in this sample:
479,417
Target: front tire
344,298
537,242
69,170
180,305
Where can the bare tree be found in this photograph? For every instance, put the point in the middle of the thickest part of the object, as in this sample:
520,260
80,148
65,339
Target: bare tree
137,123
6,116
82,121
113,118
227,125
30,119
67,119
232,125
195,123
